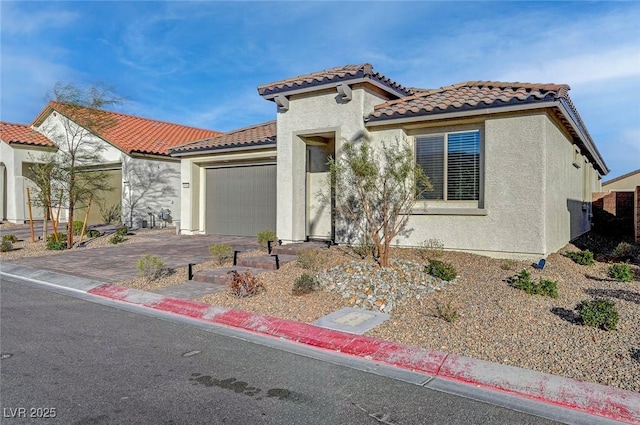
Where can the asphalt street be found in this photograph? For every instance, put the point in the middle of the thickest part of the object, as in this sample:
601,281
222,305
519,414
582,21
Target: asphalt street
87,363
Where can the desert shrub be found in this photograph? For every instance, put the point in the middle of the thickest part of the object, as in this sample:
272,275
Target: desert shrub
599,313
547,288
93,233
77,227
56,245
447,312
584,258
523,281
245,284
544,287
441,270
313,259
150,267
266,236
621,272
6,245
431,248
116,238
122,231
221,252
508,264
110,214
305,284
10,238
626,251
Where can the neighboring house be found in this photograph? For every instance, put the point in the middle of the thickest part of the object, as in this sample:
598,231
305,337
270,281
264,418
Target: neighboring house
134,152
618,205
512,164
20,146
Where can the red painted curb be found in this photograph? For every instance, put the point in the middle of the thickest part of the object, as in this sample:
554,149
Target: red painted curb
591,398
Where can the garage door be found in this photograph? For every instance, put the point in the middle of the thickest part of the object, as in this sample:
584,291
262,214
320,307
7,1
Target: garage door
241,201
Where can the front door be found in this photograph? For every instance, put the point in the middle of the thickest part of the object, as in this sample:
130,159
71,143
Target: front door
318,209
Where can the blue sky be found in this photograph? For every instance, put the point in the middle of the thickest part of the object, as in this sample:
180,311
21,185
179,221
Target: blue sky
199,63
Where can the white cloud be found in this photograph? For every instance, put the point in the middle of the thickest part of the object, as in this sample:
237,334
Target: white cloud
19,21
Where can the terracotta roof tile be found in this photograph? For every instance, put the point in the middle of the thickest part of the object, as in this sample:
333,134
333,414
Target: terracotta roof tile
260,134
331,76
22,134
129,133
469,95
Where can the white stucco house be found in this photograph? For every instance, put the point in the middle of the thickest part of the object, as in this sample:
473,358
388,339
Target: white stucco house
133,151
512,164
20,146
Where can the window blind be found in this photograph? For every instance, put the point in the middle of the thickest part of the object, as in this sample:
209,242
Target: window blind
463,166
430,156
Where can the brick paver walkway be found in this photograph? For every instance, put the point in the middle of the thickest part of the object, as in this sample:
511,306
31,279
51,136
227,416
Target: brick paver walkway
116,263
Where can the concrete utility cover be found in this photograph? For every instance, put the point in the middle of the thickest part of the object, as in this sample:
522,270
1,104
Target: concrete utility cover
352,320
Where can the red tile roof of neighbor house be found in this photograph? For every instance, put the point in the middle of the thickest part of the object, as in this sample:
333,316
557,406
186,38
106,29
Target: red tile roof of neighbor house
22,134
259,134
129,133
332,76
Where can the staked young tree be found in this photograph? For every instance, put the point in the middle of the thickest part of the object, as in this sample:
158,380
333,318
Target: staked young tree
374,191
72,168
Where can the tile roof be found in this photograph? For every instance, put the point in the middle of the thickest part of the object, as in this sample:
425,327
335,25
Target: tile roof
129,133
466,96
483,95
332,76
624,176
22,134
259,134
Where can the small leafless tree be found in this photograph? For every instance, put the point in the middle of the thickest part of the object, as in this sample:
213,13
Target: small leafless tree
375,190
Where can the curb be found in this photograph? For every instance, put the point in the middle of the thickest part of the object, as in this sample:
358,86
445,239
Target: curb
593,399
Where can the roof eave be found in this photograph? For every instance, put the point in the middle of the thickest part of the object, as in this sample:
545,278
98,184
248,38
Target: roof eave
224,149
311,88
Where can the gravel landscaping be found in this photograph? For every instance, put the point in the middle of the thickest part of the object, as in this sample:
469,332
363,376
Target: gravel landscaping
494,322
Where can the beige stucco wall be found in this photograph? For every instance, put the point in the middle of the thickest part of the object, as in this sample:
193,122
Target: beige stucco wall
568,188
193,181
308,114
531,195
627,183
15,184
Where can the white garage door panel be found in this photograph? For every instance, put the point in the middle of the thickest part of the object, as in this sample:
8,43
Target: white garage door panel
241,201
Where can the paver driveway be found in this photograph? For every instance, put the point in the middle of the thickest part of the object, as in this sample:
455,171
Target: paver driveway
116,263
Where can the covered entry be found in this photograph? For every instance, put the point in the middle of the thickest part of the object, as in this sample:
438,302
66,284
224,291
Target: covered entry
240,200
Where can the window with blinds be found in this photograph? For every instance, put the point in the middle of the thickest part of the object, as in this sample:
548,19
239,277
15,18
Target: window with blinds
452,163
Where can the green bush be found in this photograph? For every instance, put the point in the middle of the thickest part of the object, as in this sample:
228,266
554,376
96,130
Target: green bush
544,287
93,233
305,284
221,252
150,267
626,251
6,245
584,258
10,238
77,227
621,272
116,238
599,313
431,248
244,285
122,231
547,288
58,245
266,236
441,270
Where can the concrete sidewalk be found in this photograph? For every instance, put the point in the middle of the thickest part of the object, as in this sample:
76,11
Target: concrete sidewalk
596,403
